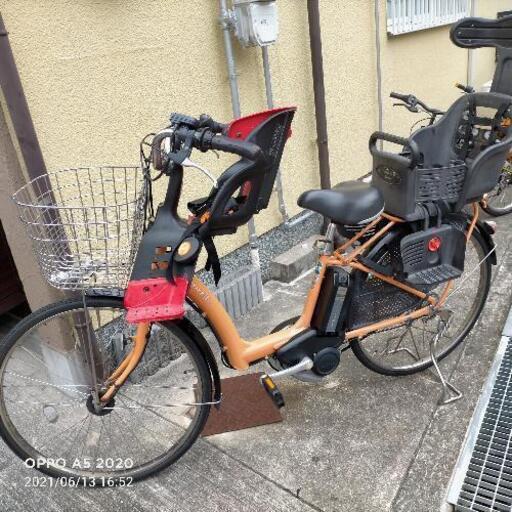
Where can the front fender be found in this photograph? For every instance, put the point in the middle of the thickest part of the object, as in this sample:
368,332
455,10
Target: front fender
205,349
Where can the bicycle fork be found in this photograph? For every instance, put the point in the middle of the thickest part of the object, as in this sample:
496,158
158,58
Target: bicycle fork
100,396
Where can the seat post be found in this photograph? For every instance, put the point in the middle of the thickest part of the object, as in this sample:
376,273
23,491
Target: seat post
328,240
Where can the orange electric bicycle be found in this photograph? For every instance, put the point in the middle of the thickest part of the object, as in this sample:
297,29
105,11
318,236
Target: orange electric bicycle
115,383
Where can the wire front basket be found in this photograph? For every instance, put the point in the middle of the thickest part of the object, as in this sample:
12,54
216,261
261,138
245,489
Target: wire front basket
85,224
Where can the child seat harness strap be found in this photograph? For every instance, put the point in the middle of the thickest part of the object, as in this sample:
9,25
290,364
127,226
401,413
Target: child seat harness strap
212,262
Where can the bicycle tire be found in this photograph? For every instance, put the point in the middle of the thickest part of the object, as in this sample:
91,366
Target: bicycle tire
493,210
139,473
496,212
370,363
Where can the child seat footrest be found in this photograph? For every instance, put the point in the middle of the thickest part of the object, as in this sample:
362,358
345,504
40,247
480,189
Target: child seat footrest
155,299
433,255
431,276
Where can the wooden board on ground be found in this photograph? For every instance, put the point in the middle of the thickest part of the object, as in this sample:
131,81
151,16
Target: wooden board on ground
245,404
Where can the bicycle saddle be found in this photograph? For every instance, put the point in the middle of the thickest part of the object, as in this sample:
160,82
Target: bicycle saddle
351,202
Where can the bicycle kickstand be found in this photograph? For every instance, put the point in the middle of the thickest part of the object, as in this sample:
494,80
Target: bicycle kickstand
450,393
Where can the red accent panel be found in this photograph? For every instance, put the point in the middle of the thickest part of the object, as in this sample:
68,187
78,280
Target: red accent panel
241,128
155,299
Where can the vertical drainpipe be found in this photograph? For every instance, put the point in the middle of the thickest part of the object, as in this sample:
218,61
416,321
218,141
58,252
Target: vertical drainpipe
235,103
315,41
270,105
379,65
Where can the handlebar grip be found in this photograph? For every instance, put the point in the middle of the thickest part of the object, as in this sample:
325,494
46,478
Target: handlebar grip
207,139
238,147
466,88
401,141
178,119
401,97
205,121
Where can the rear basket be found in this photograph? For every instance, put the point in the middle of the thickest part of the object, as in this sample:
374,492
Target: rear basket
374,300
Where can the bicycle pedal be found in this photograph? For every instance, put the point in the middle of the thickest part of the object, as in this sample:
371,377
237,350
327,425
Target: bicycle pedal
273,391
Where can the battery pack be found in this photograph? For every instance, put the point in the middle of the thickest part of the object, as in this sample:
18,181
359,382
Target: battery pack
332,305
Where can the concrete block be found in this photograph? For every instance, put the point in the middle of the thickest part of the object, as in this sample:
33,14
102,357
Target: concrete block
294,262
239,291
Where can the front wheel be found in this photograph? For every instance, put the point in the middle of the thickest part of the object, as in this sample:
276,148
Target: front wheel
46,413
406,350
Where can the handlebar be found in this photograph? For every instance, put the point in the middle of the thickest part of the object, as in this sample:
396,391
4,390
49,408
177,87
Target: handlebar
204,121
206,139
406,98
465,88
411,103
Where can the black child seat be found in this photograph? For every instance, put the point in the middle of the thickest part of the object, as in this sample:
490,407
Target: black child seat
449,164
440,169
244,189
352,202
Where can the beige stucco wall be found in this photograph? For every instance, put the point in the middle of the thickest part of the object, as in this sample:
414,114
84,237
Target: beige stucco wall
99,75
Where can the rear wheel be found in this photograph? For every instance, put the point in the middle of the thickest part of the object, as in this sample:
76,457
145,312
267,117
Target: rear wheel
406,350
499,200
46,412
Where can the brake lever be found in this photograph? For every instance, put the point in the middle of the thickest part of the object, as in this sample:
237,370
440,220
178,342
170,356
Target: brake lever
188,163
186,150
408,107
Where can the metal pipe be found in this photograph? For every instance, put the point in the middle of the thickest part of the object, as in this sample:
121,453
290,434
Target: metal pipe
225,22
270,105
268,77
315,41
379,67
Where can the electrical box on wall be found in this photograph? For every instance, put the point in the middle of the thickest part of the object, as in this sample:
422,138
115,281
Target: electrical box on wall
255,22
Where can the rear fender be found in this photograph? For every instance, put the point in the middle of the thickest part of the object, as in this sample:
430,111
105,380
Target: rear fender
486,231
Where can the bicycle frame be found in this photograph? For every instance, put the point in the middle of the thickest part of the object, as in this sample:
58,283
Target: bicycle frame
242,353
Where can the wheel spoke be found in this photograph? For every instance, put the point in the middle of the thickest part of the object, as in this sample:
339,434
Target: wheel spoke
406,349
45,396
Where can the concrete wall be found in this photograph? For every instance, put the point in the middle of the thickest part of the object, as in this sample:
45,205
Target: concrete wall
100,75
11,179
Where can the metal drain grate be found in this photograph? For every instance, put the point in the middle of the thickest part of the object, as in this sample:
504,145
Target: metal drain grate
483,477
